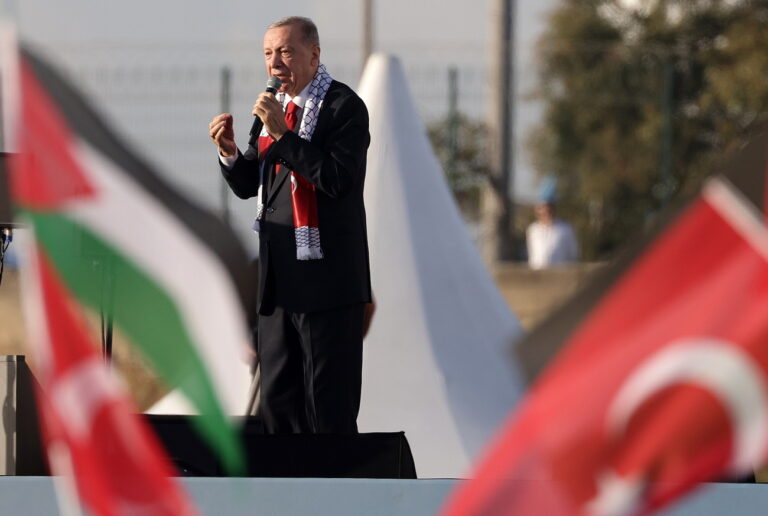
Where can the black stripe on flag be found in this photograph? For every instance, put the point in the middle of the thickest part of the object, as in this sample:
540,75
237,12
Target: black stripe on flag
85,123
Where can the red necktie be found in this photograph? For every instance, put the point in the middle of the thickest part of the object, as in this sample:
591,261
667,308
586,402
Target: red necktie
290,115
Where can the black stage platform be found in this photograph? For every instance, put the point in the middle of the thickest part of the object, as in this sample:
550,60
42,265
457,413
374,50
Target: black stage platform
370,455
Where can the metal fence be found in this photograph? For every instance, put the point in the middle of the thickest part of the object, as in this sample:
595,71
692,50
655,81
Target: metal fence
161,101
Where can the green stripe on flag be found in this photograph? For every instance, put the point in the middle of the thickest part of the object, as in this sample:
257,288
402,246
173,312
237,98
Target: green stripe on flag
146,313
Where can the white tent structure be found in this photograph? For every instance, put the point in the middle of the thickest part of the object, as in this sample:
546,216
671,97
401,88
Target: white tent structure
437,359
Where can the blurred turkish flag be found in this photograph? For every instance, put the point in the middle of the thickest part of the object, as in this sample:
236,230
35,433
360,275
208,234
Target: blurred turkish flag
662,385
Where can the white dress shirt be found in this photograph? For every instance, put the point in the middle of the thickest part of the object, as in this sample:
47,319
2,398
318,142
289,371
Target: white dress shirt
550,244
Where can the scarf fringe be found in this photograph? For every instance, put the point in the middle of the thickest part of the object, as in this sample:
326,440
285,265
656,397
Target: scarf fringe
304,253
308,243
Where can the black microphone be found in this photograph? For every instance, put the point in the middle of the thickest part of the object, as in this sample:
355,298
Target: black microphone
273,84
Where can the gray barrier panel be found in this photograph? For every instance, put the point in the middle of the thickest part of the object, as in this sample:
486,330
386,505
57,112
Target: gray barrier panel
34,496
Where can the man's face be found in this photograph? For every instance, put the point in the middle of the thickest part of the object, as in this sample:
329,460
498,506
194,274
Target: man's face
544,212
290,58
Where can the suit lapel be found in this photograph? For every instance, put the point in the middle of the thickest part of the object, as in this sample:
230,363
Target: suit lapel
276,183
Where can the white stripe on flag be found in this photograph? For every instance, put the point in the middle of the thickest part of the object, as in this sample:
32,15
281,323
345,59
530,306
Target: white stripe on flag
739,212
123,214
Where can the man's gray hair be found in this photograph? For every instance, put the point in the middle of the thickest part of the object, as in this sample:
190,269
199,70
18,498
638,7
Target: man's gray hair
307,26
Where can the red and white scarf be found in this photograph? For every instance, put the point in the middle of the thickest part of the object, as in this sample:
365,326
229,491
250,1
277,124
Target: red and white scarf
303,195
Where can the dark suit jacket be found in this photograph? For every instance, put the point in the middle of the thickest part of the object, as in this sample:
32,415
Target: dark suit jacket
334,161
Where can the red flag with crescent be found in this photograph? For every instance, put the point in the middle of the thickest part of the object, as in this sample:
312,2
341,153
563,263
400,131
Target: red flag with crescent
663,384
90,425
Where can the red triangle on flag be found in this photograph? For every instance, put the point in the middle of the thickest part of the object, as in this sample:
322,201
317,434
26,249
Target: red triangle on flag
46,173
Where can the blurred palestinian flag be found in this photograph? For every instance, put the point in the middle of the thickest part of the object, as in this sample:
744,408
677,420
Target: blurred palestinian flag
659,379
180,280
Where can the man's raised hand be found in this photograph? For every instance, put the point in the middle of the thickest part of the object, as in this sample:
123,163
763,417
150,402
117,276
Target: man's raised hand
222,133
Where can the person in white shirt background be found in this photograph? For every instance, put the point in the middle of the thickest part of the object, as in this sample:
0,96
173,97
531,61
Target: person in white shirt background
550,241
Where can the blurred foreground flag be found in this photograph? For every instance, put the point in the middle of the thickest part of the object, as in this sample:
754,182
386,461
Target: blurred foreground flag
90,427
172,276
661,381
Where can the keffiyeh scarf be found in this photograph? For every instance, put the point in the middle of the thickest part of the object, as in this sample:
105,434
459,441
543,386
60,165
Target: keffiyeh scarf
303,194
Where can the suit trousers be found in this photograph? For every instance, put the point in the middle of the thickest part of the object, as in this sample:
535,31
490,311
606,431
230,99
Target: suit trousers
311,370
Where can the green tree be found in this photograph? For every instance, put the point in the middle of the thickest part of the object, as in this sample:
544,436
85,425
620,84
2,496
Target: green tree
643,101
460,146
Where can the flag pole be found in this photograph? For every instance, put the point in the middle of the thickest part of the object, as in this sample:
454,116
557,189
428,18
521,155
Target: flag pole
5,23
8,17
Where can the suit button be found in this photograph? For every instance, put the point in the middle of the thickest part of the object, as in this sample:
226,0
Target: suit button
270,210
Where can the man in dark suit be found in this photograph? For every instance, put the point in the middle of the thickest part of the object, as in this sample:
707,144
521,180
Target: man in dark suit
314,275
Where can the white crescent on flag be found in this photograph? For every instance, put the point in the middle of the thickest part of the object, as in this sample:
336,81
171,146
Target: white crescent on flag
720,367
